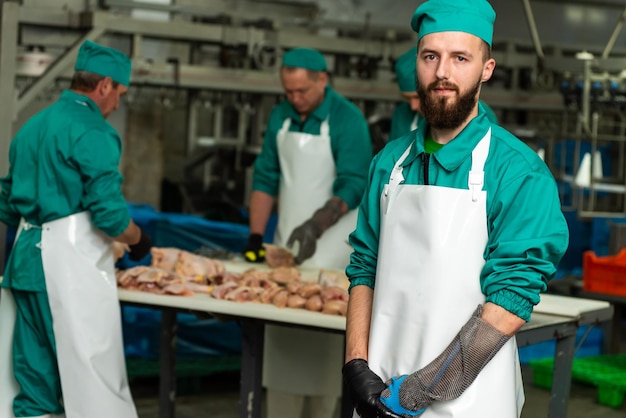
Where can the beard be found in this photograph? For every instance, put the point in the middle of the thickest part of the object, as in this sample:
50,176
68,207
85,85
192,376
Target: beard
439,113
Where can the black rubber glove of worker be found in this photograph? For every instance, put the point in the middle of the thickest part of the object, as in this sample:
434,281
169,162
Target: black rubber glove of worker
142,248
254,251
365,388
308,233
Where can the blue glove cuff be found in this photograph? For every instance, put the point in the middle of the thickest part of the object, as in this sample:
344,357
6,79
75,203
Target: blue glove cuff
392,401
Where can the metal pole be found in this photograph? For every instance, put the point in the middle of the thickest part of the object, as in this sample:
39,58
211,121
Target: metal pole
9,17
586,97
167,379
562,375
532,26
253,332
614,35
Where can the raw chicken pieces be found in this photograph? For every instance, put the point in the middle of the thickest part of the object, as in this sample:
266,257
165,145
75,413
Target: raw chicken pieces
278,257
177,272
283,288
173,271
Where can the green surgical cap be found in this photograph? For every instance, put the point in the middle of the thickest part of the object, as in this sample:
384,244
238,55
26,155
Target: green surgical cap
307,58
107,62
475,17
405,71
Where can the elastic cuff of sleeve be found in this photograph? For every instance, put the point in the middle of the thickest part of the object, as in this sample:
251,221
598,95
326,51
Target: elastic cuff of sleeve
513,303
360,282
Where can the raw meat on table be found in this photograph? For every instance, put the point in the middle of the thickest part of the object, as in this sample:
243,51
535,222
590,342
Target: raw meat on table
283,275
164,258
196,267
278,257
153,280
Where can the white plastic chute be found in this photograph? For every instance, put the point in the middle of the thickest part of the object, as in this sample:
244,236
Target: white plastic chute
583,176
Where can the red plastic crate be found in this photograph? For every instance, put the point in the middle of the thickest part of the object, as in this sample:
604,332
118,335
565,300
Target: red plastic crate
605,274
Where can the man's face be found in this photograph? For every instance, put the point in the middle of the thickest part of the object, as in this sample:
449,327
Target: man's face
450,71
111,96
303,92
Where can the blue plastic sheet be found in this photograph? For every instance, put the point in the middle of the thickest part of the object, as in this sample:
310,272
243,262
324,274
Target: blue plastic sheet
196,337
579,242
600,232
590,346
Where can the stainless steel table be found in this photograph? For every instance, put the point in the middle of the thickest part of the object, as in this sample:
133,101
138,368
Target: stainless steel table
556,317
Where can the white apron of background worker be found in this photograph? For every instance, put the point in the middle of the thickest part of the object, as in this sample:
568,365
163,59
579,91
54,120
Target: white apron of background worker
82,289
428,286
9,387
300,361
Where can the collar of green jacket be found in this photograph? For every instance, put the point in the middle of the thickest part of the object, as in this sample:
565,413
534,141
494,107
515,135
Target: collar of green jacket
71,95
456,151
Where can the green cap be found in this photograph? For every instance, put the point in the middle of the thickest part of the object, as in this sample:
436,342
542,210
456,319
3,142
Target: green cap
405,71
307,58
107,62
475,17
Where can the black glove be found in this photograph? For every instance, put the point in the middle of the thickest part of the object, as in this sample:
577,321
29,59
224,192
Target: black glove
308,233
142,248
254,251
365,388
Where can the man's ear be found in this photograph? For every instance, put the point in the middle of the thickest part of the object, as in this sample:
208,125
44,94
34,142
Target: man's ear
323,77
488,68
105,86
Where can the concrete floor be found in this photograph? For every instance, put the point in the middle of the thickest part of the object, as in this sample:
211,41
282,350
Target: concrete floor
221,400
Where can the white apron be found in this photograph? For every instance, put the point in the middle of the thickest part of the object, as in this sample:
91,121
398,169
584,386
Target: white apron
295,360
427,287
8,386
307,174
82,290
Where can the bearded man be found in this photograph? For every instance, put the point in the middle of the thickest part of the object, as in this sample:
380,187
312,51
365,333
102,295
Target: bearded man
458,233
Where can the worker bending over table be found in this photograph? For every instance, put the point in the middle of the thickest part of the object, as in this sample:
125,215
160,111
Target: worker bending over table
314,162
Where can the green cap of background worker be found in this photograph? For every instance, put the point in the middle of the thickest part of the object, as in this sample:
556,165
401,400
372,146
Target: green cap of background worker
107,62
475,17
307,58
405,71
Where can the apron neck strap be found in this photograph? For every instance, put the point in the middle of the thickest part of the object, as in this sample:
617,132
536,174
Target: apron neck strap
286,125
324,128
396,176
476,178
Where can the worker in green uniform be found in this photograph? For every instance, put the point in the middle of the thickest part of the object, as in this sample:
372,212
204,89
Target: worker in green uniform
314,161
63,193
407,113
459,231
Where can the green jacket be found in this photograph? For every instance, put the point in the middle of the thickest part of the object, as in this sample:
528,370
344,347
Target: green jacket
350,143
528,234
63,161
